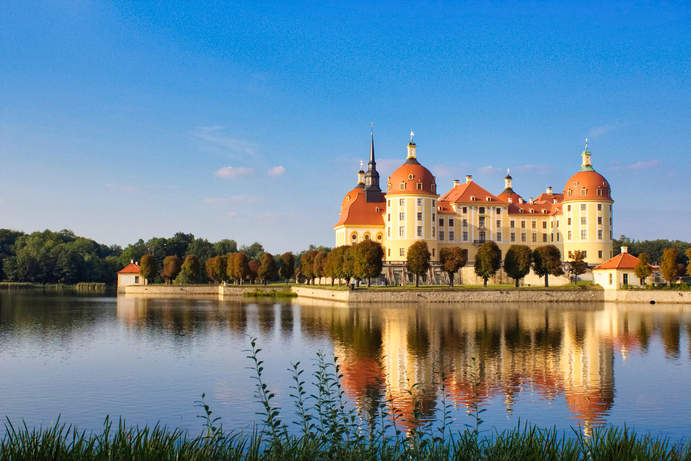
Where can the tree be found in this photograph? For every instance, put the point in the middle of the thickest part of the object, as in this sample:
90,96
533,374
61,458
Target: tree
334,264
643,269
267,268
487,261
688,261
253,252
307,265
225,247
171,268
319,265
577,265
287,266
546,262
668,267
189,272
517,262
253,270
452,259
367,262
418,260
348,265
215,268
238,267
147,267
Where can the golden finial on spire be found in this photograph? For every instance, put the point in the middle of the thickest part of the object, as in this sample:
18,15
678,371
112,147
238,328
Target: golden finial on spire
586,145
412,135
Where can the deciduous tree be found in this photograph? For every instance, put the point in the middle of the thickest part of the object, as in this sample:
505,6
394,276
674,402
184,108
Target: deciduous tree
417,261
452,259
688,261
368,256
487,261
253,270
307,265
517,262
577,265
334,264
147,267
190,270
267,268
546,262
668,267
287,268
171,268
319,265
643,269
216,268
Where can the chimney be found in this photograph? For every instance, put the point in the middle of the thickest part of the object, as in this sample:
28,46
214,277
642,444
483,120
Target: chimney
520,200
468,178
456,182
531,200
549,190
510,200
624,249
131,261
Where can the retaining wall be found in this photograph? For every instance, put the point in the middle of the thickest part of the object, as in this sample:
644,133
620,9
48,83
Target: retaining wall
649,296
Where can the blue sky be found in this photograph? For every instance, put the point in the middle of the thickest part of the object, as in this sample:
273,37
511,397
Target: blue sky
125,120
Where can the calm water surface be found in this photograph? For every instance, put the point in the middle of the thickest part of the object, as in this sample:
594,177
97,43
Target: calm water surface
148,360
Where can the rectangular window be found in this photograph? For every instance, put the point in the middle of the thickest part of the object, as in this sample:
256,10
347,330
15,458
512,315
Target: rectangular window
512,224
557,237
599,254
419,186
450,222
388,203
599,208
465,209
534,236
481,222
583,206
498,223
482,236
498,210
451,236
419,231
498,236
401,231
599,220
522,224
482,210
433,231
402,252
434,202
402,186
513,236
599,234
401,202
433,215
551,238
523,239
388,252
388,217
465,222
441,235
568,208
544,225
583,221
441,222
534,224
568,221
136,279
568,236
544,238
584,234
419,202
465,236
401,216
419,216
388,232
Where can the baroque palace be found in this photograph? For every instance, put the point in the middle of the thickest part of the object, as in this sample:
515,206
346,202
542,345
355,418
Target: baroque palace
411,209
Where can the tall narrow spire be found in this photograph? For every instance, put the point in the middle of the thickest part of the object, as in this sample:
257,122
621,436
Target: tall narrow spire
586,163
373,192
412,157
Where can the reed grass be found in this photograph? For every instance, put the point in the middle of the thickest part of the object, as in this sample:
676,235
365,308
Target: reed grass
326,427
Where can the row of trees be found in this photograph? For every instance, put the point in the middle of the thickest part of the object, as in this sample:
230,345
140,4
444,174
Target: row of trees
363,261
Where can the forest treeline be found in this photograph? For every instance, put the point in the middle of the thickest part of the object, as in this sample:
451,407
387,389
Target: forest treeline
64,257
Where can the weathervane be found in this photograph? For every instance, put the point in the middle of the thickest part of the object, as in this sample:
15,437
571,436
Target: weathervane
586,144
412,134
508,172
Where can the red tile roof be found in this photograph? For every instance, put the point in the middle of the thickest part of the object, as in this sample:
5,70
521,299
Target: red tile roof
355,210
131,268
469,192
620,261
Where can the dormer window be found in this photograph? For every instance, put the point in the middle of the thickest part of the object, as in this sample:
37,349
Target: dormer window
489,199
584,192
402,186
570,192
472,198
532,211
419,186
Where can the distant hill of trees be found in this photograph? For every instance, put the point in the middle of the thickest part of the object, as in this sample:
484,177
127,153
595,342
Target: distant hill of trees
653,248
63,257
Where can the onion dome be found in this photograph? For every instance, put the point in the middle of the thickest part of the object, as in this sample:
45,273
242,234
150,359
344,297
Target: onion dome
587,184
411,178
356,210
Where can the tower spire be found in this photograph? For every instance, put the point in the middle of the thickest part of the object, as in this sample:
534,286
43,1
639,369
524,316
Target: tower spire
372,190
586,163
412,157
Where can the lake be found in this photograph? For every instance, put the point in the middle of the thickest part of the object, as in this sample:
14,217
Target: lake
149,360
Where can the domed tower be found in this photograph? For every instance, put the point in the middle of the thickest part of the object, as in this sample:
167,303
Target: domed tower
411,204
587,214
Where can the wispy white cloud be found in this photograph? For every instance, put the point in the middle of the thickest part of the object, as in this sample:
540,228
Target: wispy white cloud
643,165
533,168
601,130
232,199
277,170
489,170
233,172
216,136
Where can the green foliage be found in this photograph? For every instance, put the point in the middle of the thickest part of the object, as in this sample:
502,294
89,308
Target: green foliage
688,261
307,265
577,265
669,267
334,264
517,262
417,262
171,268
253,252
546,262
267,268
287,268
189,272
319,264
487,261
368,260
238,265
147,267
653,248
225,246
643,269
452,259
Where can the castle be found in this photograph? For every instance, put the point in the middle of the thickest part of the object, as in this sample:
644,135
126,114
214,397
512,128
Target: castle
411,209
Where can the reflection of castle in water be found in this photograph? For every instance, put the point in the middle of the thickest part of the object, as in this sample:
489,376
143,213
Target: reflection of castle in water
481,352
